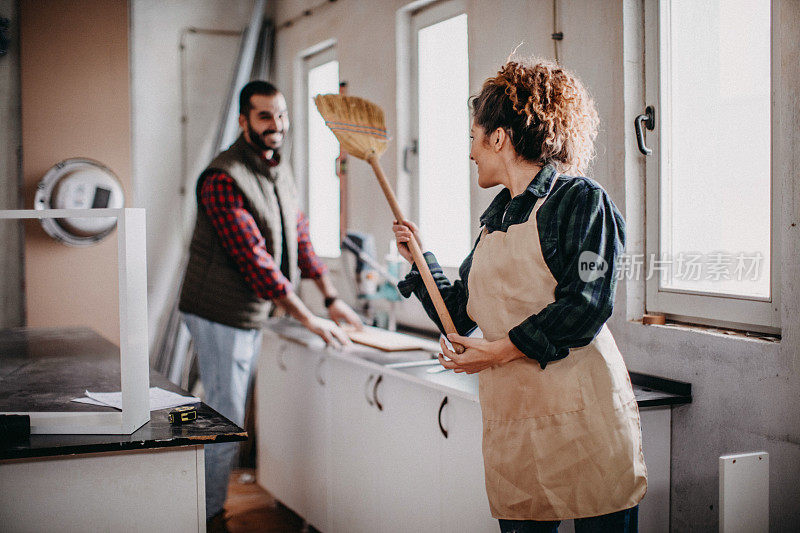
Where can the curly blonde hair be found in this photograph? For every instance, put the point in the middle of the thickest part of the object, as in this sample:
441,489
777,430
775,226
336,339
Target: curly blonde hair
549,115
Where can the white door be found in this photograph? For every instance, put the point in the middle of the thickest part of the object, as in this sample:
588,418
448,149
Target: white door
292,428
308,403
464,505
355,455
273,419
408,479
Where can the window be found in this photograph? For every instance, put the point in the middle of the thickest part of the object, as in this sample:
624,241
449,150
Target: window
322,149
440,123
710,248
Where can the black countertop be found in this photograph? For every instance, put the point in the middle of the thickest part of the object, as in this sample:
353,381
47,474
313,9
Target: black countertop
42,369
650,391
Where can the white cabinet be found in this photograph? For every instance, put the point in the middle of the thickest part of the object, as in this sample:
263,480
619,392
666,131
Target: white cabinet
393,469
352,447
293,427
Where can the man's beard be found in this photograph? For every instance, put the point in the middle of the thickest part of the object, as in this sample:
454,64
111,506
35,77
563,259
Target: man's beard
258,140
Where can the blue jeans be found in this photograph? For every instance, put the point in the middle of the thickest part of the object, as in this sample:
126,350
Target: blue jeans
225,356
626,521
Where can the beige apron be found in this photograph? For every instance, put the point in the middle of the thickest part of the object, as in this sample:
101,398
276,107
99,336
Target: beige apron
559,443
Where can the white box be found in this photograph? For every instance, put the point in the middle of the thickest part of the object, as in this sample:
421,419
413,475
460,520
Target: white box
744,493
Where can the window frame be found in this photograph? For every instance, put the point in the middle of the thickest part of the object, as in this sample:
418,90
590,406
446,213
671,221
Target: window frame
736,312
323,53
418,19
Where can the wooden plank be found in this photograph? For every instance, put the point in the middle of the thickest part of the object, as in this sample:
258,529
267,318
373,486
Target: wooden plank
389,341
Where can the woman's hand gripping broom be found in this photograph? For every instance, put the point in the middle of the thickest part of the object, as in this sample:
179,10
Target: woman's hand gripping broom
359,126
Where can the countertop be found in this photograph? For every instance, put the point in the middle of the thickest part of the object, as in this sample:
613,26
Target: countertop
42,369
650,391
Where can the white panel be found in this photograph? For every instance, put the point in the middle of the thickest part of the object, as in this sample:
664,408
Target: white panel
134,359
744,493
53,423
153,490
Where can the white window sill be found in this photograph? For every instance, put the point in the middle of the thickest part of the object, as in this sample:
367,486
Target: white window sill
762,338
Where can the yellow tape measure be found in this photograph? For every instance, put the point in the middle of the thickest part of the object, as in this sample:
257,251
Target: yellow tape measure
183,414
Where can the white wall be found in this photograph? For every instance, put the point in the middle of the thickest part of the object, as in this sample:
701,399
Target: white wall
156,29
745,390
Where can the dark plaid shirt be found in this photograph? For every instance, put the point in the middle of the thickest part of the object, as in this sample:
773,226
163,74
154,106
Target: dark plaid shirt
241,238
577,216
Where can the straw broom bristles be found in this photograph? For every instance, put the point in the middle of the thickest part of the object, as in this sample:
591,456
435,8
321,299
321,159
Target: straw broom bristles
357,123
360,128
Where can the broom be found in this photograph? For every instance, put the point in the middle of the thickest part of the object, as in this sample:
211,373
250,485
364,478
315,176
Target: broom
359,126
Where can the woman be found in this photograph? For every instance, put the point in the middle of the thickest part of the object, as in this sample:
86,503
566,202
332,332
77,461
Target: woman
561,431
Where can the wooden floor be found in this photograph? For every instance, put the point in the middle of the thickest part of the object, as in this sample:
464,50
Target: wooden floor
251,508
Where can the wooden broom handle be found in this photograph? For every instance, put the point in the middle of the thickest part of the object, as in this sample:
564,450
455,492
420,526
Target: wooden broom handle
416,252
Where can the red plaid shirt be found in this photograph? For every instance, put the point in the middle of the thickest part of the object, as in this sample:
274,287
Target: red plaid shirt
241,238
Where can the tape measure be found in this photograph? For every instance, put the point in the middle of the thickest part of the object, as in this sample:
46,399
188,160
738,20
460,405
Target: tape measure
183,414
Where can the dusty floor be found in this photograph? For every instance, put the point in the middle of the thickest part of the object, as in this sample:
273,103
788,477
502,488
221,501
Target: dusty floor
251,508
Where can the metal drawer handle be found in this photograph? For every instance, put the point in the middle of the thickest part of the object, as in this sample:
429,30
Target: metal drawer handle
441,407
375,393
366,389
649,120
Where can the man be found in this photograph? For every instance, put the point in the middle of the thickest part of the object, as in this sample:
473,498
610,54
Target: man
249,250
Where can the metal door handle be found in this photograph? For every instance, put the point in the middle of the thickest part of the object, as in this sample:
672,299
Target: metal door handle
375,393
649,120
411,148
319,371
366,389
441,407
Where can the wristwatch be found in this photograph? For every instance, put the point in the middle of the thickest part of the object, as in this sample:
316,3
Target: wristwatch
329,301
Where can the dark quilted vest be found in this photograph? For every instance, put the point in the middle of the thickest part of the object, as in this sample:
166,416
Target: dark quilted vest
213,286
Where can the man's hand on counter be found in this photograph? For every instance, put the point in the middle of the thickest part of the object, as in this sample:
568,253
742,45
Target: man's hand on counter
343,315
332,334
329,331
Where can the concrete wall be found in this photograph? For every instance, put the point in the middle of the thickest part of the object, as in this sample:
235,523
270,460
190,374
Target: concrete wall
745,390
12,308
75,103
159,141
